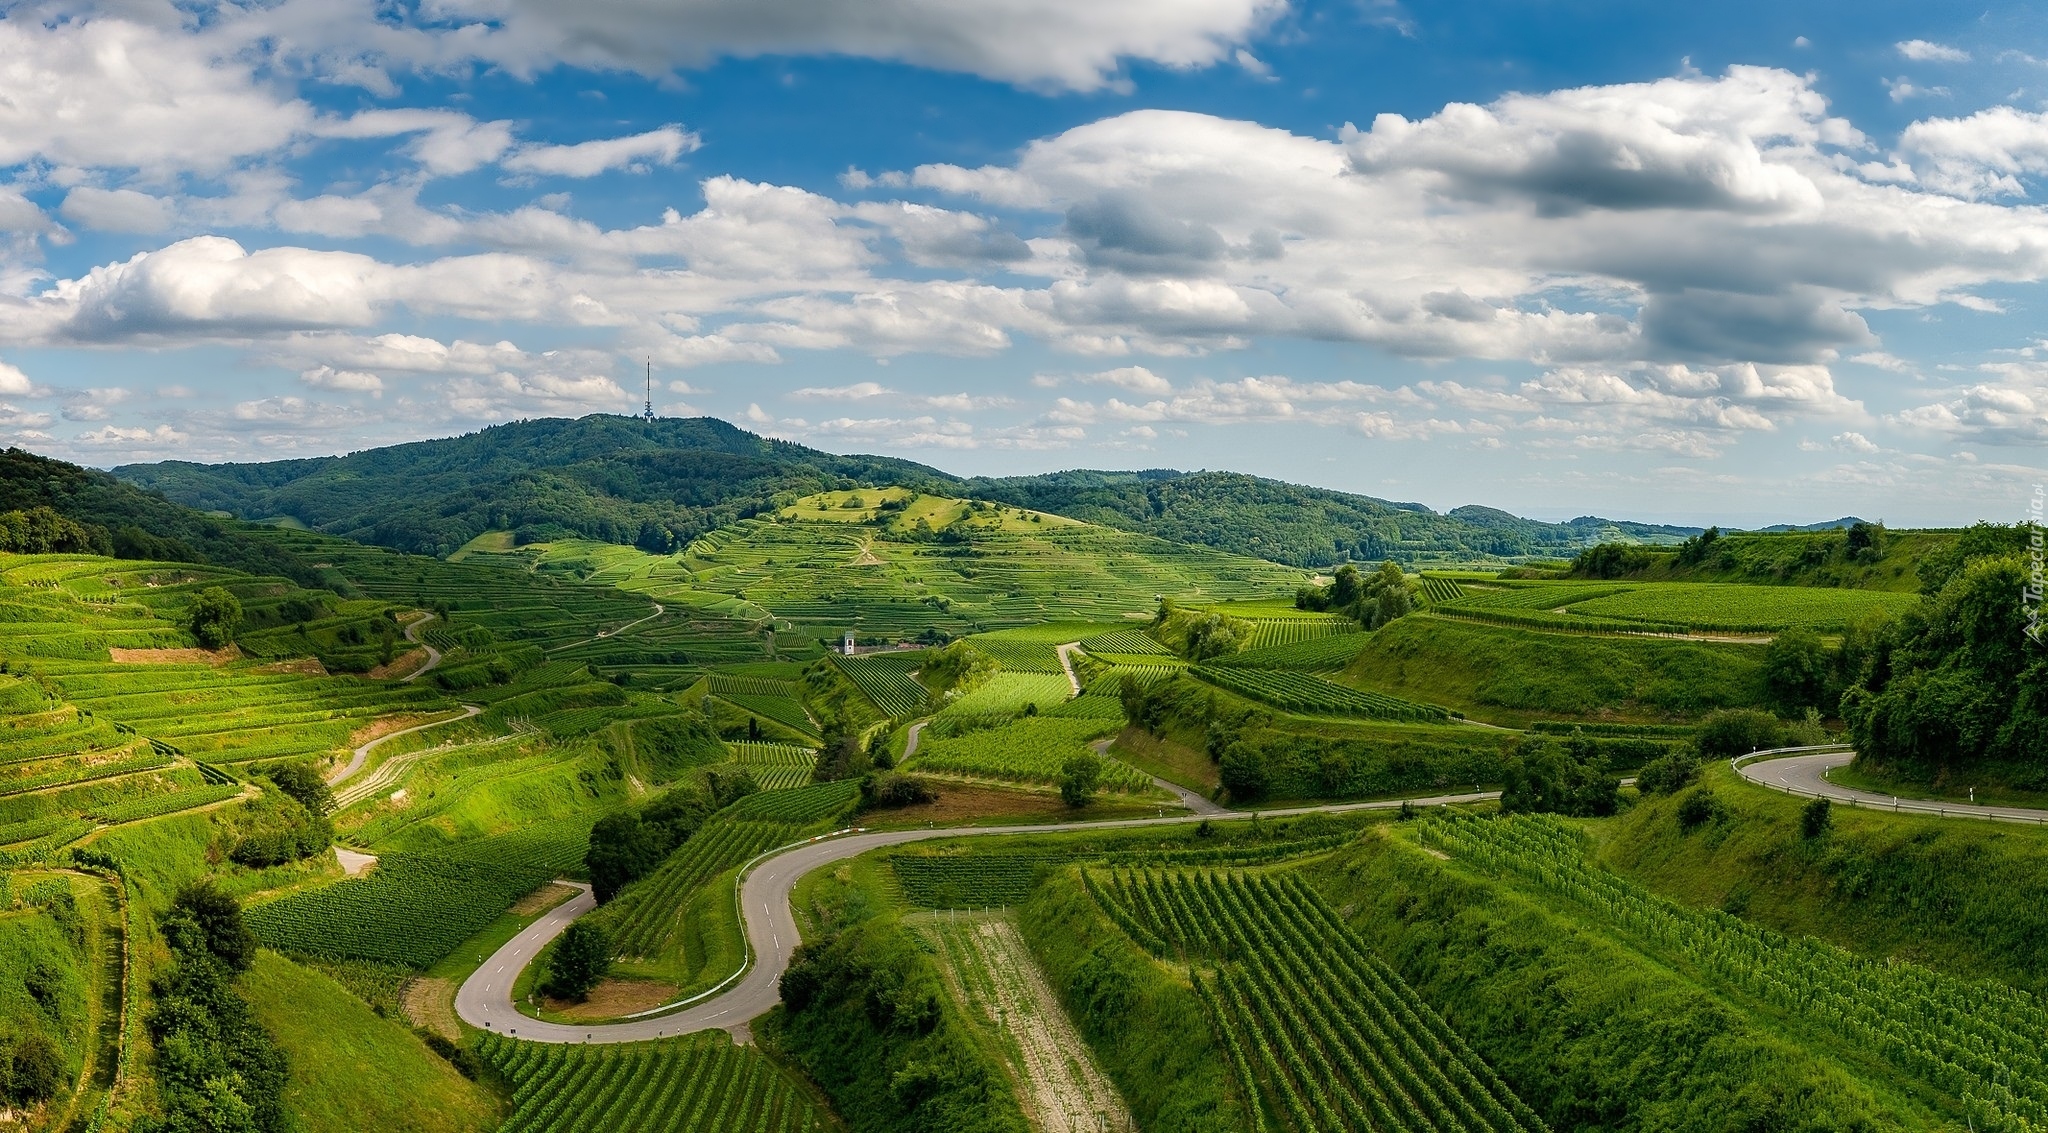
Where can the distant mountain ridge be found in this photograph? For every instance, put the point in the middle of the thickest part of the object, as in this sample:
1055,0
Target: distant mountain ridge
658,485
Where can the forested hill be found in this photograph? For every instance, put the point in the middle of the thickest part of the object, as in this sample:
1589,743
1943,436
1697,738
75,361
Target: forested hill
1299,525
616,479
622,480
50,506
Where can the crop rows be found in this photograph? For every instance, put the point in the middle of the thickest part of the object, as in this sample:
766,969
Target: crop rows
542,849
1268,632
1326,654
805,806
699,1084
1437,591
1125,642
410,910
1020,656
71,772
1736,608
1551,620
643,917
722,684
154,806
783,710
1980,1042
776,766
1089,706
1323,1035
1299,692
886,680
1031,750
1007,694
993,880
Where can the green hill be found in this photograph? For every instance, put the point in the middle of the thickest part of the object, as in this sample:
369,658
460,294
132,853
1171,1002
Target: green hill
661,485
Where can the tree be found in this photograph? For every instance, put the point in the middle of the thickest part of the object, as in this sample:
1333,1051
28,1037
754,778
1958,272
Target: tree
622,848
1079,777
1738,731
214,617
205,919
1796,670
31,1069
579,962
1243,771
1699,548
1670,773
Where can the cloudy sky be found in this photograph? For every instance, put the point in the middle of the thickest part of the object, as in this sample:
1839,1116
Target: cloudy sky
1737,263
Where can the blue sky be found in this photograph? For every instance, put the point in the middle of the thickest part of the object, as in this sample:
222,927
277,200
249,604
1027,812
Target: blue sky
1736,264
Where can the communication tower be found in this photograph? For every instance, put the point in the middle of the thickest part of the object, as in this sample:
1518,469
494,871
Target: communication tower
648,414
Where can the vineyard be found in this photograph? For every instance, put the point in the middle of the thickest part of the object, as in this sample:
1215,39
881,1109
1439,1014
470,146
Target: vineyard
1281,962
1977,1042
1325,654
1019,656
1031,750
776,766
1125,642
885,679
1671,607
1270,632
1299,692
680,1085
1437,590
411,910
1007,694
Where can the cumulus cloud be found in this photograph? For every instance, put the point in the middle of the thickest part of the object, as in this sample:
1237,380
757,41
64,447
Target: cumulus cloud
348,381
1063,44
1923,51
13,381
118,210
588,159
1983,155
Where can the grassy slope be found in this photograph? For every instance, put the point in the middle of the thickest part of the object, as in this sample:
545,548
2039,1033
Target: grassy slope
353,1072
1513,676
1966,897
33,942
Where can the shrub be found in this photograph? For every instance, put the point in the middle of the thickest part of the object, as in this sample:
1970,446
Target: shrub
1815,818
894,789
1698,809
1738,731
31,1069
1670,773
214,617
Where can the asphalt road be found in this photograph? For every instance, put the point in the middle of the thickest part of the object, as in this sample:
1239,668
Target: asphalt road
485,999
1806,774
412,632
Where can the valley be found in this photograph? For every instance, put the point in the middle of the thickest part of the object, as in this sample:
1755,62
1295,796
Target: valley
874,799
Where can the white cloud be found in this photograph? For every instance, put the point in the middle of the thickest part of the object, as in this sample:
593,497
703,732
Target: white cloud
349,381
1984,155
1136,379
858,391
13,381
113,94
1855,442
1922,51
118,210
133,438
1063,44
1902,89
588,159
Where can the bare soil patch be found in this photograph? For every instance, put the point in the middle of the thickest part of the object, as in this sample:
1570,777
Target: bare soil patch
612,999
304,666
175,656
541,900
399,666
383,726
430,1003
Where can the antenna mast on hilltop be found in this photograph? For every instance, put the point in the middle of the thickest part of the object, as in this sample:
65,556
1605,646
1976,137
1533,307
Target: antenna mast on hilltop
648,415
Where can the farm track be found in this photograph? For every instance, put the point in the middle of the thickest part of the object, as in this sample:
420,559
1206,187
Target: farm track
1805,773
362,754
392,770
412,634
602,634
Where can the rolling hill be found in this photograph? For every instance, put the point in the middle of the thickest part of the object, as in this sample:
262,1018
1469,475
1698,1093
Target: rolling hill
661,485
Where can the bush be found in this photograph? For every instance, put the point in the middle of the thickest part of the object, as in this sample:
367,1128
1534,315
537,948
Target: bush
31,1069
893,789
1670,773
1243,771
303,782
459,1057
1738,731
1698,809
579,962
1816,818
206,920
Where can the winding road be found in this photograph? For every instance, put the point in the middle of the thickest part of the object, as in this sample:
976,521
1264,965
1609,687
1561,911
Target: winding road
485,999
362,754
1803,771
412,631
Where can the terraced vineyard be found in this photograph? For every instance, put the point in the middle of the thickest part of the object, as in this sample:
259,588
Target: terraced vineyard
776,766
1271,632
1299,692
1020,656
885,679
1007,694
1031,751
1317,655
1672,607
1279,963
680,1085
1963,1039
